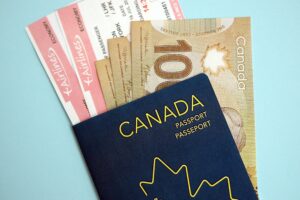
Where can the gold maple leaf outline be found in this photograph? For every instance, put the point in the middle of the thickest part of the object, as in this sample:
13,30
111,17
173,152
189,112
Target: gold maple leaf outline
192,195
225,59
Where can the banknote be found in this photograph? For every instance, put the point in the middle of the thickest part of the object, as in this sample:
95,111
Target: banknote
105,76
50,47
120,59
166,52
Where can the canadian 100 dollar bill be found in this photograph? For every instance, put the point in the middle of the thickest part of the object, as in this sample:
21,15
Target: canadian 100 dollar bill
120,60
105,77
166,52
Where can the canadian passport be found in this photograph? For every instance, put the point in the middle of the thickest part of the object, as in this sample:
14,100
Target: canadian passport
171,145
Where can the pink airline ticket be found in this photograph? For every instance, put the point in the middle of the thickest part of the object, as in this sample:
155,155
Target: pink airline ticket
59,69
83,57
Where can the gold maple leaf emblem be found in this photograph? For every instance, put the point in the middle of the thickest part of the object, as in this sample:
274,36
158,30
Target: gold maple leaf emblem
215,59
184,168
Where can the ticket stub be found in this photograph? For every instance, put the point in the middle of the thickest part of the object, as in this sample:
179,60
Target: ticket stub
87,25
48,43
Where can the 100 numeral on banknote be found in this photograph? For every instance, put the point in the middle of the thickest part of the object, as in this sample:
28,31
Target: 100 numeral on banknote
166,52
182,46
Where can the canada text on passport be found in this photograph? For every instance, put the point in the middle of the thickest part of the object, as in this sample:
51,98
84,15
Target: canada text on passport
179,108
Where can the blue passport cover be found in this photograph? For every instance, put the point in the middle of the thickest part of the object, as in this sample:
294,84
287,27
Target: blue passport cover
171,145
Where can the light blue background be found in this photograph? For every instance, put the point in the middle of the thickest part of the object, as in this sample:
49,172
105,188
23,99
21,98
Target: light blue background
39,157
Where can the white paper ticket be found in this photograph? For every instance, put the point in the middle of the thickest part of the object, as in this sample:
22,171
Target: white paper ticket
139,10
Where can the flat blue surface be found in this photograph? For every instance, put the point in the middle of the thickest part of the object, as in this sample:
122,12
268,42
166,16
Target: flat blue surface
39,157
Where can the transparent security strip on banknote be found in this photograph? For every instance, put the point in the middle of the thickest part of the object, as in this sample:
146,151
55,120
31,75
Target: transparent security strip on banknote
166,52
88,24
48,43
